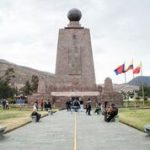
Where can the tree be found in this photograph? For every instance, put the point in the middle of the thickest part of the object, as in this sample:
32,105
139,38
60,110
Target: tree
34,83
6,91
30,87
146,91
27,90
9,75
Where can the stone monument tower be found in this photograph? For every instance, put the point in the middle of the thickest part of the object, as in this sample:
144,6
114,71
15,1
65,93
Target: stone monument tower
74,64
75,75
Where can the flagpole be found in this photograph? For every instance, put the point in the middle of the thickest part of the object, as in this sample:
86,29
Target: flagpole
143,94
133,88
125,81
125,78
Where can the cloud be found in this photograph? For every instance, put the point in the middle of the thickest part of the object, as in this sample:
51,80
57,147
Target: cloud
119,32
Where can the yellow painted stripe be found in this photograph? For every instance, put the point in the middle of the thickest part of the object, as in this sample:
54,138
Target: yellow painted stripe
75,132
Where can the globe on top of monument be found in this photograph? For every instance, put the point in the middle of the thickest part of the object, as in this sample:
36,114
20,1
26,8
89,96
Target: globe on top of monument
74,14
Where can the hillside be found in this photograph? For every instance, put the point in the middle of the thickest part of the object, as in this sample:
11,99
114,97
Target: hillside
22,73
139,80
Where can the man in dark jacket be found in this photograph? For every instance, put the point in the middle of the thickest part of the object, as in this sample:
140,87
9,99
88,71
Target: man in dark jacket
76,104
88,107
36,114
112,111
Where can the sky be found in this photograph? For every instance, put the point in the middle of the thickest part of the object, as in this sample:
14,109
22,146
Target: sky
120,32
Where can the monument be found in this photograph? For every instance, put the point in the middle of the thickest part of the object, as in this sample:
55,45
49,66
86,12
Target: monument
75,75
74,65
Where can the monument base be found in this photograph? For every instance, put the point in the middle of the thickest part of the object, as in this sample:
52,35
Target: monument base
60,98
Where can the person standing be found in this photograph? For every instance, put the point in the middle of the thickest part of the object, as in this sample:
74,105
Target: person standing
81,105
98,108
104,109
49,105
7,104
42,105
35,107
88,107
37,104
4,104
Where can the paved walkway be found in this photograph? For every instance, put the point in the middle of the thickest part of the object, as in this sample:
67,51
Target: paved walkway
76,131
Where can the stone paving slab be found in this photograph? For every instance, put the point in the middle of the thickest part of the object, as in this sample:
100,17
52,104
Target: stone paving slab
52,132
95,134
57,133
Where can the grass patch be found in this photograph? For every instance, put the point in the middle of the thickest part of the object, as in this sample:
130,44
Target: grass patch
16,117
136,103
136,118
12,113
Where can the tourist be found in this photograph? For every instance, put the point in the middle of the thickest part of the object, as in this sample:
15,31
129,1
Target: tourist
7,104
34,106
98,108
37,104
46,105
88,107
103,109
4,103
49,106
81,104
68,105
35,113
111,112
71,104
76,104
42,104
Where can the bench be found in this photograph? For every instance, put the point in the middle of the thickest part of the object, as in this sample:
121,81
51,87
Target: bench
50,112
34,118
147,129
2,129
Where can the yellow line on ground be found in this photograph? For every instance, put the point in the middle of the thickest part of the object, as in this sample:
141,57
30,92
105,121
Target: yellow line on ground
75,132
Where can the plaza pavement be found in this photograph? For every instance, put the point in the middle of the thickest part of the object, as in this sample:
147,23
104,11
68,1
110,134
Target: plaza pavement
75,131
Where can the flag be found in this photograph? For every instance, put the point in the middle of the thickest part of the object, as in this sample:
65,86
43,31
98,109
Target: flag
120,69
130,67
137,69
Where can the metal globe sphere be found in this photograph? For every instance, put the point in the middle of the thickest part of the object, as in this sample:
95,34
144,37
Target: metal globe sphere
74,14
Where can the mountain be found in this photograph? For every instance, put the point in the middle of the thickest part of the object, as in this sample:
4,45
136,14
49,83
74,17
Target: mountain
23,74
145,80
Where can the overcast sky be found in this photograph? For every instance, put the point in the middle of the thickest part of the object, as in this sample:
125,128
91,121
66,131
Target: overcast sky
120,32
